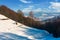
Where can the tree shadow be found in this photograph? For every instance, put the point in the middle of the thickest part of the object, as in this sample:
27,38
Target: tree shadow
35,33
39,34
11,36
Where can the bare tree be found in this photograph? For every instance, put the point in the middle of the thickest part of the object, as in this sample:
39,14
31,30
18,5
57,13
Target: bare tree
31,14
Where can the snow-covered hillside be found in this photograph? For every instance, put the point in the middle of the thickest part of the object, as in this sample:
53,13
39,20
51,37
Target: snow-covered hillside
10,31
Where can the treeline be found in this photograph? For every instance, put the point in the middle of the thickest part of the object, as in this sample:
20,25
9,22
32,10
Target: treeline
19,17
29,21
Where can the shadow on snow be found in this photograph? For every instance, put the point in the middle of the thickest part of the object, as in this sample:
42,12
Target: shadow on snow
11,36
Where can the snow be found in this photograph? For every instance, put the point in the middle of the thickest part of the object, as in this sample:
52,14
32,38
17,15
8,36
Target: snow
10,31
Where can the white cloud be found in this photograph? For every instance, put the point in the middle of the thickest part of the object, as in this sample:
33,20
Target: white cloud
55,6
45,10
37,10
43,17
31,8
28,9
24,1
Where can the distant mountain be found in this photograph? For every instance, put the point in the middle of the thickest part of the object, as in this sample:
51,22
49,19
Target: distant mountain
54,19
53,26
41,14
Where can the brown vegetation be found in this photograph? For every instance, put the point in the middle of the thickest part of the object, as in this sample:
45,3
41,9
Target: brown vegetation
9,13
19,16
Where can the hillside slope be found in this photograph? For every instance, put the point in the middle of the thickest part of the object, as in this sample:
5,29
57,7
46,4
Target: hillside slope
10,31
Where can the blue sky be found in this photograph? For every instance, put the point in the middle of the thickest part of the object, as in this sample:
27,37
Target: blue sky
29,4
48,6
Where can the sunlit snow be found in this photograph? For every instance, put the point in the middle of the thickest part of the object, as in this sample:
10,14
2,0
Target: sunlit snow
10,31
